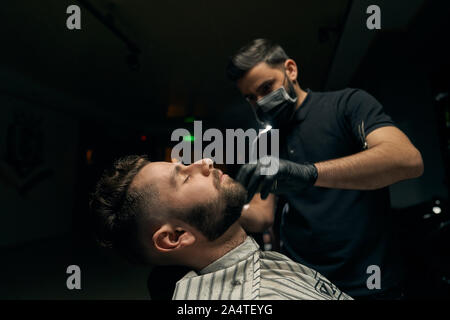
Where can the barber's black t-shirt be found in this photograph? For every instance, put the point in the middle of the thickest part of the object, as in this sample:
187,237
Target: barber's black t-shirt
339,233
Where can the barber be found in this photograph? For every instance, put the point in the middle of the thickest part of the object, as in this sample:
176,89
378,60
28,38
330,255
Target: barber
339,151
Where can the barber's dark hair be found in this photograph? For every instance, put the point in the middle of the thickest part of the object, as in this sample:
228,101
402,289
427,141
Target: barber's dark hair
258,50
116,208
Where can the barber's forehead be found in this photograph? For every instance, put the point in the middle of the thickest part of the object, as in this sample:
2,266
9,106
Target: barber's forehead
255,76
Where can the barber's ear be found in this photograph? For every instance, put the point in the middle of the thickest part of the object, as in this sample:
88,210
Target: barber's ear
168,238
291,70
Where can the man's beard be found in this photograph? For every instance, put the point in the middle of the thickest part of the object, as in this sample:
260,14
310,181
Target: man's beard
216,217
234,195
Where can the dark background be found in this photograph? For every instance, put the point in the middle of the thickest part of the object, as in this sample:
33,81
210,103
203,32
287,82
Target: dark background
71,101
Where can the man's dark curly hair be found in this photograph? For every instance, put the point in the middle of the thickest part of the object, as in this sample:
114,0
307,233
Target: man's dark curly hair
116,208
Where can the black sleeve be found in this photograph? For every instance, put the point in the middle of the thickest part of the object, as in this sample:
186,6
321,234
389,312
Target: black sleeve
363,113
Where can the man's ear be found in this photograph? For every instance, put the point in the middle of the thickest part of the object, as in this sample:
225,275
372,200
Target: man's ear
168,238
291,70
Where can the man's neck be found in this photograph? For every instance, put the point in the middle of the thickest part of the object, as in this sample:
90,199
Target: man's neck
301,94
209,252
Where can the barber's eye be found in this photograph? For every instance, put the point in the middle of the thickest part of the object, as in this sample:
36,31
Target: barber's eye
266,88
187,178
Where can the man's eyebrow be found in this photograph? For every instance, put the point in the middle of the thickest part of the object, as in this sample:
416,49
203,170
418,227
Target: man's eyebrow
173,175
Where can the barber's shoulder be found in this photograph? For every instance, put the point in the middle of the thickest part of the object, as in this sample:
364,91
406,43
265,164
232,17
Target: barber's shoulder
336,96
349,98
355,94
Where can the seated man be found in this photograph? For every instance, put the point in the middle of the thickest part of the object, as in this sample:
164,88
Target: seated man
161,213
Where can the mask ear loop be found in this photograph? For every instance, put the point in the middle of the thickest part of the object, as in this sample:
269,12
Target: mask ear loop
285,76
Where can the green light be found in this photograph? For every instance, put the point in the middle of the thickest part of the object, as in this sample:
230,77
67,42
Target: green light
189,138
189,119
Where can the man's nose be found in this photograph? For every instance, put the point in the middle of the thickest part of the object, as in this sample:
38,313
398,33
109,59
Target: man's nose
205,165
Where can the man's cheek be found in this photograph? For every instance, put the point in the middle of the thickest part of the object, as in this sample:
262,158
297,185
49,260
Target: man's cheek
194,194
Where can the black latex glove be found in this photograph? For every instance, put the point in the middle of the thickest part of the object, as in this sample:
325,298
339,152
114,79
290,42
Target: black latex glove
290,177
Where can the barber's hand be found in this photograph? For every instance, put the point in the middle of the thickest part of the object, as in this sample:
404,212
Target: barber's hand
290,177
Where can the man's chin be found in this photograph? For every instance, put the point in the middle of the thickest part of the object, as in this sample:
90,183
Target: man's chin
230,181
235,194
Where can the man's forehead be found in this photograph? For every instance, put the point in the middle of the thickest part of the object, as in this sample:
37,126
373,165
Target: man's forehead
155,172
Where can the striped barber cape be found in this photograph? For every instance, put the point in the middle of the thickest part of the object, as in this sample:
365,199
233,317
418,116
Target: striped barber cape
248,273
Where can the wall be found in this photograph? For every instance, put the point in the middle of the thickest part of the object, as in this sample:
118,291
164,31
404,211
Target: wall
49,140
